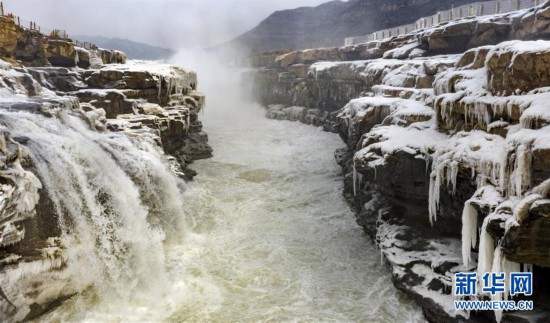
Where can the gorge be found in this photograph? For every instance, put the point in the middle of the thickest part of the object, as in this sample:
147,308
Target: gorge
116,205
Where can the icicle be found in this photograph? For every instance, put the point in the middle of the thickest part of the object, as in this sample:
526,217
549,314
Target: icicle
469,232
503,180
427,159
436,177
354,179
503,265
520,177
486,249
188,120
159,84
432,199
453,174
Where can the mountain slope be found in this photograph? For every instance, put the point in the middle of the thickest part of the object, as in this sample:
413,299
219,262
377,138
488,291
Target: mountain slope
329,23
133,50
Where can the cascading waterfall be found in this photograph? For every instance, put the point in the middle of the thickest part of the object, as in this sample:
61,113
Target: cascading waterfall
114,198
267,236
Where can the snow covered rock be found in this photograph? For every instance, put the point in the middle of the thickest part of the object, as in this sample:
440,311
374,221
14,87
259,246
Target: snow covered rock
447,157
518,67
474,58
58,117
330,85
308,56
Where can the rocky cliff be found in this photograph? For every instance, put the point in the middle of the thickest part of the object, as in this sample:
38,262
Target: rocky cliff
447,148
90,151
133,49
329,23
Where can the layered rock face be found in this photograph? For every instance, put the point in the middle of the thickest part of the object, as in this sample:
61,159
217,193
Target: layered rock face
30,48
66,134
304,78
446,157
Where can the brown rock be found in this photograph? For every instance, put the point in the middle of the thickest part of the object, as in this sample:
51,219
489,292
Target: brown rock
308,56
473,58
61,53
30,48
8,37
515,65
300,70
112,56
529,242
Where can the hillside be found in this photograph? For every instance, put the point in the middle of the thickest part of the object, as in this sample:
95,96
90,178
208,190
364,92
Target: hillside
134,50
329,23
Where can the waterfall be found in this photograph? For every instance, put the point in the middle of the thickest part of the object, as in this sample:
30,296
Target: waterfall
115,199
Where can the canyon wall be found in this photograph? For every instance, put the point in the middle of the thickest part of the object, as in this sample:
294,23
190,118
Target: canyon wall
447,148
23,47
93,155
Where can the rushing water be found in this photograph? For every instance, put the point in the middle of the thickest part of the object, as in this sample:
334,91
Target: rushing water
280,242
265,234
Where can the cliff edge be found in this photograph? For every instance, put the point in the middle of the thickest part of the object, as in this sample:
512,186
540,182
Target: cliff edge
94,152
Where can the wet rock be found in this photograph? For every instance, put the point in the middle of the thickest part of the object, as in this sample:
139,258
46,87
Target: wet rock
58,78
30,48
112,56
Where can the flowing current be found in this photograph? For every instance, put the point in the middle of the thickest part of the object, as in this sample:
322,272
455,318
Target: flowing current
280,242
265,234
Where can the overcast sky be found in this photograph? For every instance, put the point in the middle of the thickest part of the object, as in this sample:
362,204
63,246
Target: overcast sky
168,23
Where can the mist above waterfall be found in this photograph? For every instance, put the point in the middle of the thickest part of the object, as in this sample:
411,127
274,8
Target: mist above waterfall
228,96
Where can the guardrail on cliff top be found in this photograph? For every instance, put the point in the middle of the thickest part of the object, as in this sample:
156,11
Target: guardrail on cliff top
50,33
482,8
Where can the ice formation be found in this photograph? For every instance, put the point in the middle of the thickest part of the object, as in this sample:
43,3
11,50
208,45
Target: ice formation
469,232
18,198
486,249
476,150
172,78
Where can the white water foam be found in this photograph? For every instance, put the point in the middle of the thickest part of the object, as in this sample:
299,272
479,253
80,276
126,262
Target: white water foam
269,236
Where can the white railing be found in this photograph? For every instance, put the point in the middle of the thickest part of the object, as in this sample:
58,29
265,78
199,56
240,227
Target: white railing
473,9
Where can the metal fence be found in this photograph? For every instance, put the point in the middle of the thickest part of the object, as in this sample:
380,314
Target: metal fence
50,33
473,9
